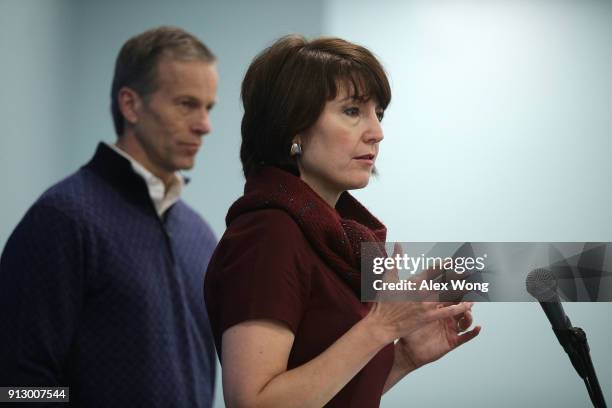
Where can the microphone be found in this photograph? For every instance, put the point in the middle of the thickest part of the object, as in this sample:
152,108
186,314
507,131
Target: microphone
542,285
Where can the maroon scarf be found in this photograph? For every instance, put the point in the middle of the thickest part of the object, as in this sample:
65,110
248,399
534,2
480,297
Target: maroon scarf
335,234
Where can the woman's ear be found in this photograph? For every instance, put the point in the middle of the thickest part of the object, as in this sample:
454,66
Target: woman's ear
296,147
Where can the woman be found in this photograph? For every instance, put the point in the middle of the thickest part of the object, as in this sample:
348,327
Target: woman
282,288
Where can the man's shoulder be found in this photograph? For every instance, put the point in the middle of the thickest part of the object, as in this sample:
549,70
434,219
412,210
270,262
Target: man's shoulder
77,197
59,210
72,195
186,215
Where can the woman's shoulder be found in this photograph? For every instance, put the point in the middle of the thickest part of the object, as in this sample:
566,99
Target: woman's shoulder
263,234
263,248
269,223
261,269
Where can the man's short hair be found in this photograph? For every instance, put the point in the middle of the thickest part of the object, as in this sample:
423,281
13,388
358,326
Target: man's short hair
136,64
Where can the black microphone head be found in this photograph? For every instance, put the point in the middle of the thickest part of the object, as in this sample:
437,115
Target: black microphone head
542,285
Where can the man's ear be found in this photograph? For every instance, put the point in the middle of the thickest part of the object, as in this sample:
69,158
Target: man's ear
130,104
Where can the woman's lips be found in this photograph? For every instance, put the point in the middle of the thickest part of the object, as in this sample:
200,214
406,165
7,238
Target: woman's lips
366,159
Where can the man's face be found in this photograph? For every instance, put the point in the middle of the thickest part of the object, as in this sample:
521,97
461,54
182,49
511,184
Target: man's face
172,120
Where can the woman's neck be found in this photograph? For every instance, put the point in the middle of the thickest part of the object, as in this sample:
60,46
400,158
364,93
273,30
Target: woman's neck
329,194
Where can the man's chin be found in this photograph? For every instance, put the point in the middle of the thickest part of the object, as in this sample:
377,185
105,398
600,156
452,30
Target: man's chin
185,165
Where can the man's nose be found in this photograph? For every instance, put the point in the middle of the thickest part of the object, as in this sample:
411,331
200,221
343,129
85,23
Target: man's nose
202,124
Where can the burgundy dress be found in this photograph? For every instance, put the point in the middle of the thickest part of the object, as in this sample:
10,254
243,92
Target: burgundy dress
265,268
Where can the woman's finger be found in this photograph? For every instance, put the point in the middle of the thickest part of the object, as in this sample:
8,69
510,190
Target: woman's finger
447,311
464,321
467,336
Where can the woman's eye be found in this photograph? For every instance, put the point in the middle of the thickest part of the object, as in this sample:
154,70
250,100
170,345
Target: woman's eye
352,111
380,115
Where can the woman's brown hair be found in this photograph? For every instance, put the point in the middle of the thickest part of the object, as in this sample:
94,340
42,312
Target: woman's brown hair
287,86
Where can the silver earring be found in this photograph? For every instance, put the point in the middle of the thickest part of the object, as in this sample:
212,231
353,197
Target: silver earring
296,149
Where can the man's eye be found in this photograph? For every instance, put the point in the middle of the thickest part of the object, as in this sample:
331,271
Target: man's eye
188,104
352,111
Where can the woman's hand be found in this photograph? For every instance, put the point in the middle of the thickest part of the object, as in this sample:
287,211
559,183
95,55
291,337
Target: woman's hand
390,321
433,340
255,355
427,329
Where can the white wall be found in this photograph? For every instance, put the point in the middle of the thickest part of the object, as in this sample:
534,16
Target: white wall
57,65
58,61
499,130
34,44
234,30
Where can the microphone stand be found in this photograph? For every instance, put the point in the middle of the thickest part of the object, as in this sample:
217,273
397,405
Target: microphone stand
574,342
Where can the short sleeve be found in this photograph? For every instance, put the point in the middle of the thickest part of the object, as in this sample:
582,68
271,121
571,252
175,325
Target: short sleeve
259,270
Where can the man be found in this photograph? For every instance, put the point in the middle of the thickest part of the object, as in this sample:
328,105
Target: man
101,282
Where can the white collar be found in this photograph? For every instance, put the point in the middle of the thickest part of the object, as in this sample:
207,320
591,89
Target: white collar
162,200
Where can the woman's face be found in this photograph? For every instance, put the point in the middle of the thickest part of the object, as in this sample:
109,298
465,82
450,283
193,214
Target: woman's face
340,149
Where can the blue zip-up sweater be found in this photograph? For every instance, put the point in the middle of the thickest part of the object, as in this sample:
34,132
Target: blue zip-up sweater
99,294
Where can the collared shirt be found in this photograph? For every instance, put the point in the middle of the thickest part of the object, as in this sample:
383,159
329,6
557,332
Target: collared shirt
162,199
